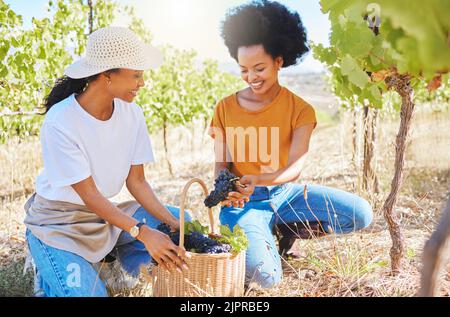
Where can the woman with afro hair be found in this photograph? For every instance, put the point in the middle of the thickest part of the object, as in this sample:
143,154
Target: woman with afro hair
262,134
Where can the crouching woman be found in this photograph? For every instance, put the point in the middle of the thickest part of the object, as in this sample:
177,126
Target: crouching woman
262,134
94,140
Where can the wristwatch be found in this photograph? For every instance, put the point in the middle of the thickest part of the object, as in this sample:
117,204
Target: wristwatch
135,230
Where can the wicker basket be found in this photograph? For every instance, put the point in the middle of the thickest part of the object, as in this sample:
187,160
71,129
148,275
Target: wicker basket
208,275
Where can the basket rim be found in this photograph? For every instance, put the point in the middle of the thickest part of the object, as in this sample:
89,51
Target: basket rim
218,255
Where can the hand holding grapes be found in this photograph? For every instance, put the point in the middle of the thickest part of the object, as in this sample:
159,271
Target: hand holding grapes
249,181
231,190
245,188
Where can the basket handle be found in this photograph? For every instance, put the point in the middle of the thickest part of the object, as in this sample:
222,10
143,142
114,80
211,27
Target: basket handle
183,200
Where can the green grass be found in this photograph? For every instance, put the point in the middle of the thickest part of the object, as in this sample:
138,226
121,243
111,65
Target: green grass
13,283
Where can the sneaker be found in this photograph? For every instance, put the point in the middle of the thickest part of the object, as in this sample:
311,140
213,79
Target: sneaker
288,233
115,277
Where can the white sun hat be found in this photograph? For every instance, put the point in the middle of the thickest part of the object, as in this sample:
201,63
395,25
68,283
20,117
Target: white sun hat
114,47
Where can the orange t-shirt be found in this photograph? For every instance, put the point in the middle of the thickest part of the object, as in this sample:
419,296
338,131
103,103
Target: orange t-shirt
259,141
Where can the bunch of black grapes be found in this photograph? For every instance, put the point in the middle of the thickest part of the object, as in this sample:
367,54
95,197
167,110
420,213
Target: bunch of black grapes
173,235
201,243
196,242
226,182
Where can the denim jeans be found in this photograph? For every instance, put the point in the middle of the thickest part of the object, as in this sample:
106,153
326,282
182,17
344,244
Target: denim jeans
341,211
65,274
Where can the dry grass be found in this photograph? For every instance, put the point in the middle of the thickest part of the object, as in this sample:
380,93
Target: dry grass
344,265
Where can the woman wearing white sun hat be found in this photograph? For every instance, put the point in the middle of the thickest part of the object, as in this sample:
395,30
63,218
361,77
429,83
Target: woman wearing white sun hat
94,140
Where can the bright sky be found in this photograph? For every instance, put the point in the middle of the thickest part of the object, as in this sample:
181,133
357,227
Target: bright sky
195,24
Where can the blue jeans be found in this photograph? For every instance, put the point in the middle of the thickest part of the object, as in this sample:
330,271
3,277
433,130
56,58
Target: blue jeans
343,212
65,274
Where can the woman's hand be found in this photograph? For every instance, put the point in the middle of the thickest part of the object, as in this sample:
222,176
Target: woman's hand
242,196
174,224
168,255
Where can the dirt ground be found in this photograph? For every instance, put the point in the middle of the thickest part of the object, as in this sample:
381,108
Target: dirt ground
338,265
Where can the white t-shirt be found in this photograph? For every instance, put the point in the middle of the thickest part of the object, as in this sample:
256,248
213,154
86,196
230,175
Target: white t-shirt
76,145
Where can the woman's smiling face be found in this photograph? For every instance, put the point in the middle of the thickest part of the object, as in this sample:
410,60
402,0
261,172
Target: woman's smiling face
126,83
258,69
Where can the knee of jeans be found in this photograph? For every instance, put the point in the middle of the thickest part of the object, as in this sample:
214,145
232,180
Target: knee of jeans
363,214
263,278
176,212
270,282
263,267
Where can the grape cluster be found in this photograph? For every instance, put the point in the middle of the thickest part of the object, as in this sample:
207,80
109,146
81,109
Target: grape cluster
196,242
221,248
200,243
164,228
173,235
225,183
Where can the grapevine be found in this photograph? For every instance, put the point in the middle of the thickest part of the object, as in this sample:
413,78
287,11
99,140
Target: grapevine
376,47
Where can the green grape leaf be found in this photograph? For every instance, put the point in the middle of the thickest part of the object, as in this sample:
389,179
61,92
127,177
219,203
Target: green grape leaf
195,226
225,230
348,64
358,77
4,48
3,71
41,53
375,91
237,238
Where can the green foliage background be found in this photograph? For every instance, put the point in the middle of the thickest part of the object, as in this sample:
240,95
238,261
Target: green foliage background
182,90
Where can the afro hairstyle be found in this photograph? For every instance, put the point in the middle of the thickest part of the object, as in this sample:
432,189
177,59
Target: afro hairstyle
280,31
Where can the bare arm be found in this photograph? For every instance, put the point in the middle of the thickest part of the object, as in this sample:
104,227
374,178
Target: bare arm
96,202
158,244
141,190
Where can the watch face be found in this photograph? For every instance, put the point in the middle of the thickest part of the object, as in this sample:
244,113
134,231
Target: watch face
134,232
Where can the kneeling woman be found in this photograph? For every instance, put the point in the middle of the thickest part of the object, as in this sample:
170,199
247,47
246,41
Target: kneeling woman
94,139
262,134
